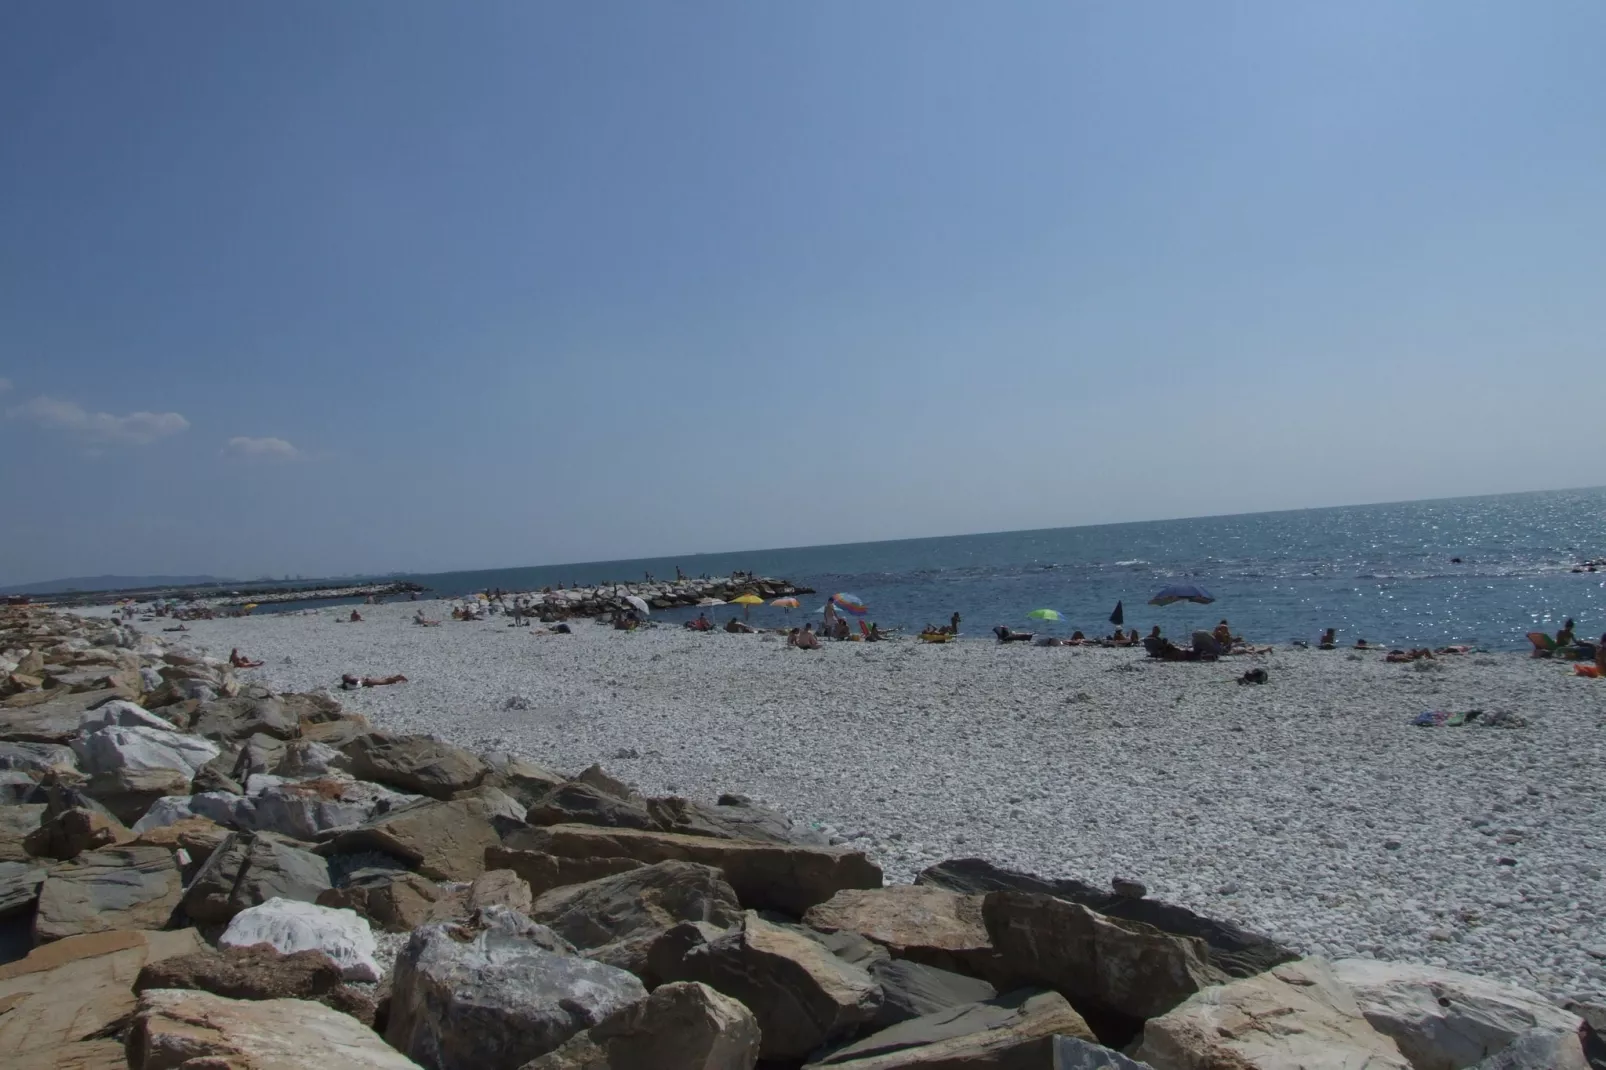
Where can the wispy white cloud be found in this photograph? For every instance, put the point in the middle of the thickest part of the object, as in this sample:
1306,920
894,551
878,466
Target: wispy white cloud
101,428
245,446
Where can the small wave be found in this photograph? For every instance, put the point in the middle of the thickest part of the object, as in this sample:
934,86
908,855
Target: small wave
1134,561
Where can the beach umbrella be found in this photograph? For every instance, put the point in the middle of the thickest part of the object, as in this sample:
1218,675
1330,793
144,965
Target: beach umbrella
747,602
639,603
850,602
1118,618
1182,592
785,603
1044,614
710,601
250,605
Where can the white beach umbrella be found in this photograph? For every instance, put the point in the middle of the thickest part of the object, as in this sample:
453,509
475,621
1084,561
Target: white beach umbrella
640,604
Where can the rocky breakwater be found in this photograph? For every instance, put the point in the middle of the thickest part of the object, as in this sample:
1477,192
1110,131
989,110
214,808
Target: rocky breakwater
609,597
211,875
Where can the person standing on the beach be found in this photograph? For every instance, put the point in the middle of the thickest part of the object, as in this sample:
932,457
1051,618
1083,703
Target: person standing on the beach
830,617
953,623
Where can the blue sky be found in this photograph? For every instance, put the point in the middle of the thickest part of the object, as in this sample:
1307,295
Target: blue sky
308,287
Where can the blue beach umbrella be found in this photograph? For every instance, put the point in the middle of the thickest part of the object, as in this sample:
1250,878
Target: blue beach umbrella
1182,592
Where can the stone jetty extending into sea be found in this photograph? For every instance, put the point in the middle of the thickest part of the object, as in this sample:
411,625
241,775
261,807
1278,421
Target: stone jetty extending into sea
664,594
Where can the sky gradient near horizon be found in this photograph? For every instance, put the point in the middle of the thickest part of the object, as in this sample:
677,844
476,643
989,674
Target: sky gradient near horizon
326,288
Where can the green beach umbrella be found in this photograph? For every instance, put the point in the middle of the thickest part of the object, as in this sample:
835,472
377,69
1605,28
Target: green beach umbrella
1044,614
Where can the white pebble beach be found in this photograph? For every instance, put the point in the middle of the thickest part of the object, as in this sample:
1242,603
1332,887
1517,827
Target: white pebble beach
1308,808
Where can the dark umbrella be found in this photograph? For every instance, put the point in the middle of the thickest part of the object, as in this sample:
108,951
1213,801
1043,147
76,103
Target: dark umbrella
1118,618
1182,592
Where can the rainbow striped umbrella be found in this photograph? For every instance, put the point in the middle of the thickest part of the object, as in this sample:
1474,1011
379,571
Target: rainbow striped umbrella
850,602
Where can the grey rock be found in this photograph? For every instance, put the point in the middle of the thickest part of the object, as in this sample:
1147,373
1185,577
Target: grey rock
16,822
113,747
260,754
496,992
302,809
241,718
1233,950
500,887
251,868
1074,1053
1537,1049
114,888
543,872
1014,1030
415,764
524,780
53,721
580,803
802,995
616,919
38,758
19,886
441,840
681,1026
309,758
914,990
1105,964
738,821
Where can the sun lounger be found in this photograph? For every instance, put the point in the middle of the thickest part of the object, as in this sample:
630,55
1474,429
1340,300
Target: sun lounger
1544,645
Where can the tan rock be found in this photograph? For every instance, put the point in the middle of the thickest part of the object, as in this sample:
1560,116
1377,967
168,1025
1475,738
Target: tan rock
681,1026
260,971
398,903
198,836
16,823
173,1026
775,876
501,887
1297,1014
72,832
802,995
64,993
441,840
113,888
544,872
916,922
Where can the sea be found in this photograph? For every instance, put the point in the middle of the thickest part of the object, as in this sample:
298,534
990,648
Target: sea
1483,571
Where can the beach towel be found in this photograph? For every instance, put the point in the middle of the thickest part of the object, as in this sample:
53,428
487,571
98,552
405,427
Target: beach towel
1591,671
1431,719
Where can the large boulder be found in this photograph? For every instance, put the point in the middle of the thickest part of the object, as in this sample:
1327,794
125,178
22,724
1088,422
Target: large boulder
543,872
63,1003
259,972
523,779
1105,966
577,802
242,717
288,926
1445,1020
1235,951
1014,1030
38,758
735,817
415,764
251,868
1074,1053
54,719
681,1026
305,758
71,832
1296,1014
114,747
615,919
114,888
129,793
19,886
500,888
301,809
441,840
1545,1049
775,876
120,713
17,822
802,995
197,837
496,992
178,1027
397,901
914,990
917,922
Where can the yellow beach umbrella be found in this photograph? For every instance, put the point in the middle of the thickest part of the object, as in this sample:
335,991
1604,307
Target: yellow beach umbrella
747,602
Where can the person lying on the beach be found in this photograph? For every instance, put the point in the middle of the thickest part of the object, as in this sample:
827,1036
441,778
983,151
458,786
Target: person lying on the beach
180,628
1009,635
240,661
737,627
349,682
1329,640
1408,655
419,618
